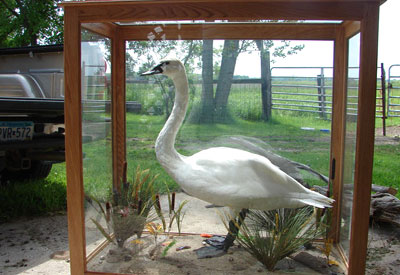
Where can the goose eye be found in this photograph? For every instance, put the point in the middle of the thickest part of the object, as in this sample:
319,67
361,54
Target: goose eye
167,63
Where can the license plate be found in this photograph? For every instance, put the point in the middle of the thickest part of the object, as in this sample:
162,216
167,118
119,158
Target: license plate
16,130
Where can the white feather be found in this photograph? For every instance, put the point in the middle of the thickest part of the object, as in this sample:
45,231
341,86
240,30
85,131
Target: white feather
226,176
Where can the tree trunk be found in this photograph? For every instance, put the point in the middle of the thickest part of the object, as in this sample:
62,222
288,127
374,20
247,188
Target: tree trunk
207,94
229,56
266,93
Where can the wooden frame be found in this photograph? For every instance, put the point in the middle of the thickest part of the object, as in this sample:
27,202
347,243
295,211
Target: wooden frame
111,19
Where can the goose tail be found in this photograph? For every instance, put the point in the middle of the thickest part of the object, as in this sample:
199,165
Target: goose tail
317,200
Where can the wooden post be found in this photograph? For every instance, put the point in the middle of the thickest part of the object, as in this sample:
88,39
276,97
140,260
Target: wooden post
383,87
338,130
321,93
365,140
73,140
118,107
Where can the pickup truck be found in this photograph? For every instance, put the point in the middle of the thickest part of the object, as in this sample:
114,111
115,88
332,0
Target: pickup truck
32,107
31,111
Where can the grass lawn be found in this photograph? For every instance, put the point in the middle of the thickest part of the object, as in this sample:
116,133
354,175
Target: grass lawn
283,135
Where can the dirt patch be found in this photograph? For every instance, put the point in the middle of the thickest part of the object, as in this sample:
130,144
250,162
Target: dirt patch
185,261
392,136
27,244
383,250
39,245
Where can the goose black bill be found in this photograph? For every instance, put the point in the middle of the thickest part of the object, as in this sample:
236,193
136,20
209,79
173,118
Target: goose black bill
156,70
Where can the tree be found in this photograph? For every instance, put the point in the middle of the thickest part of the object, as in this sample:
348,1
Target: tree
146,53
30,22
228,63
266,92
214,104
214,108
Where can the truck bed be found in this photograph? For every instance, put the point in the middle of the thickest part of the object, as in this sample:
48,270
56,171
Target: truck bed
34,109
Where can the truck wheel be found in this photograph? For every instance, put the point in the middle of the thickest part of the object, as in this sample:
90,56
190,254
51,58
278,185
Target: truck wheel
39,170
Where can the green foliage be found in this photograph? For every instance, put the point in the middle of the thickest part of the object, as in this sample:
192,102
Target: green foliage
31,198
30,22
386,170
270,236
175,214
247,105
165,251
129,211
155,50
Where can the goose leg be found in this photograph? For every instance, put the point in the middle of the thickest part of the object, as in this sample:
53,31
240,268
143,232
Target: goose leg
234,230
220,245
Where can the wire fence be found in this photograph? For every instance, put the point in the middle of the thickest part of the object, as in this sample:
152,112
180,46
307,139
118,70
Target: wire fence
393,101
314,94
304,94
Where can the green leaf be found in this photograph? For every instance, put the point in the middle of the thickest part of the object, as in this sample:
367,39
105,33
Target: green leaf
165,251
103,231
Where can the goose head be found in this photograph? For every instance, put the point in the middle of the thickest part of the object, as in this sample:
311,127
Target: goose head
168,67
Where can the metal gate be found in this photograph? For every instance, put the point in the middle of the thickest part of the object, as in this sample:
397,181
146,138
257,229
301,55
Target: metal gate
394,91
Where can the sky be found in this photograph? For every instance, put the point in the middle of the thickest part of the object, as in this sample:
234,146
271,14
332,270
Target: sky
320,53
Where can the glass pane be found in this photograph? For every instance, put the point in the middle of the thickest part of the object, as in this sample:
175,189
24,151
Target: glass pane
350,139
233,101
96,131
34,72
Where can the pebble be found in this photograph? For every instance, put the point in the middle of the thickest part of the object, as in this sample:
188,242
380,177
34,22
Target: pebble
183,247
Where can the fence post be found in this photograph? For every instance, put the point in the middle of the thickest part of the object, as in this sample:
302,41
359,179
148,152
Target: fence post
321,93
266,96
383,87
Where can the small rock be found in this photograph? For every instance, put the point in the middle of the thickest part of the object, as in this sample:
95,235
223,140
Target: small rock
60,255
182,248
127,258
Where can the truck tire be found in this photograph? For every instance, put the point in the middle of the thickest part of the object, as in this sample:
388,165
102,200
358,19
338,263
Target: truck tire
39,170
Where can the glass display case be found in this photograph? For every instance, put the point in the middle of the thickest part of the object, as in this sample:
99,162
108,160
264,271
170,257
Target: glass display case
126,214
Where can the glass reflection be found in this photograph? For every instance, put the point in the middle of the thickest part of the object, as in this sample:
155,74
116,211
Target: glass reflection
350,140
96,130
226,108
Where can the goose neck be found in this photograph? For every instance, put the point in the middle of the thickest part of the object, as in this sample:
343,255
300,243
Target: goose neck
165,149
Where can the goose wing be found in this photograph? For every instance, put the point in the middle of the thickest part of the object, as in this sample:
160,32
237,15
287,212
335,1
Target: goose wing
238,178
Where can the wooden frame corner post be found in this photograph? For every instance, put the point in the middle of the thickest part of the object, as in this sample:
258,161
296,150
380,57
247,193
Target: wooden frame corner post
364,140
118,108
338,129
73,140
